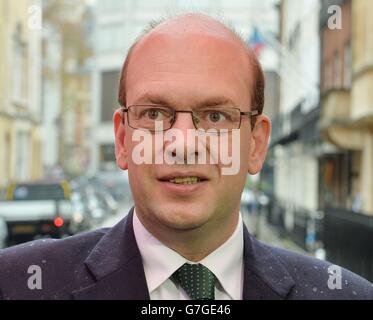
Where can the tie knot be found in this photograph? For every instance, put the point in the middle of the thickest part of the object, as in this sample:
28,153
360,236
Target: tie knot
197,281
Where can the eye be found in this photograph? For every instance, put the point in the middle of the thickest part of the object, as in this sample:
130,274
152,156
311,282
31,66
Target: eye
215,116
155,114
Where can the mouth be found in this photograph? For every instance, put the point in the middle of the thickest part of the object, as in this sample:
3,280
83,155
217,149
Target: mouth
180,179
185,180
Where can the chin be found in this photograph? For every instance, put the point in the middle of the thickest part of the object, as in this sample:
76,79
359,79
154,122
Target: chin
184,218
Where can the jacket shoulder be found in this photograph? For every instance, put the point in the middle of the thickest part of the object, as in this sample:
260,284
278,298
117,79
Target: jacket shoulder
61,265
319,279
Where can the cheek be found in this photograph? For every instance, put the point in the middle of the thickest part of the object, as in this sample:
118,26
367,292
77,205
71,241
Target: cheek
228,194
142,186
233,184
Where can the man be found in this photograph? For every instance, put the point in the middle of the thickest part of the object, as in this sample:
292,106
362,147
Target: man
184,239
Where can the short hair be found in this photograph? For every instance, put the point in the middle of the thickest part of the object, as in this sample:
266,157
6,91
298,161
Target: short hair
257,98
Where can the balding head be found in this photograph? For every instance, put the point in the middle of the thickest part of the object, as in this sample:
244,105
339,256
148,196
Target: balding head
193,24
198,30
190,72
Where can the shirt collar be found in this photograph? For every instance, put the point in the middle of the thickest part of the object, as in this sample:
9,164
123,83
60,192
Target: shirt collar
226,262
160,262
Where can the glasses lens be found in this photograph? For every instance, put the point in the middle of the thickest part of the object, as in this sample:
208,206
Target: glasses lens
217,118
153,118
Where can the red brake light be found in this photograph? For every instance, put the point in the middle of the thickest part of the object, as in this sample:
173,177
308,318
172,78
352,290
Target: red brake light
58,222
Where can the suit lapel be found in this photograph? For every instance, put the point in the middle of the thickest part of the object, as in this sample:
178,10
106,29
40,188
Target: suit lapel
117,268
116,265
265,278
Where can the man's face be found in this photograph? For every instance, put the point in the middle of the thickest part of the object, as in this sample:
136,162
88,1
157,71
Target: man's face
186,72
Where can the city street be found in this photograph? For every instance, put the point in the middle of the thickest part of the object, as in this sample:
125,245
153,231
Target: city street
266,233
74,111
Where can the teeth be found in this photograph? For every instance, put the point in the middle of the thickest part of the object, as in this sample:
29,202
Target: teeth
185,180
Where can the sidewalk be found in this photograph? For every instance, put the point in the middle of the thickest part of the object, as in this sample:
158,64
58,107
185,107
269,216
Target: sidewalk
267,233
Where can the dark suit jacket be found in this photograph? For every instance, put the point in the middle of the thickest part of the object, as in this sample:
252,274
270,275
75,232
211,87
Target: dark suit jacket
106,264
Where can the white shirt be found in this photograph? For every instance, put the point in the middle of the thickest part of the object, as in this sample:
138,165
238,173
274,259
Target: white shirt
160,262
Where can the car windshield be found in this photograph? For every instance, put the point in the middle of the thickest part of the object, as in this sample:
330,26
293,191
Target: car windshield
39,192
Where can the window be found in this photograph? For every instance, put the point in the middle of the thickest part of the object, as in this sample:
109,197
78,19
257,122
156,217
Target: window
24,192
328,75
6,158
337,71
22,155
19,66
347,67
109,94
107,153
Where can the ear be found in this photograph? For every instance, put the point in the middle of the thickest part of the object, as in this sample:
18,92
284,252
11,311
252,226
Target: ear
121,152
259,143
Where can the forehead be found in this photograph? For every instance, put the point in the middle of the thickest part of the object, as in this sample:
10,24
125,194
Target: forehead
179,59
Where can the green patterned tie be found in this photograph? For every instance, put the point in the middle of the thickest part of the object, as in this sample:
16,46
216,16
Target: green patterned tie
197,281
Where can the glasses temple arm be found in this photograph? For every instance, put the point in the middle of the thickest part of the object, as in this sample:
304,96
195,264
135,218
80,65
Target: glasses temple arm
250,113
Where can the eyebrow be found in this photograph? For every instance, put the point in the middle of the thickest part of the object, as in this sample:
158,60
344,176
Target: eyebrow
161,100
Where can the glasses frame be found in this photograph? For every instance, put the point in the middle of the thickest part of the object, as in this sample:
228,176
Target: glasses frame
124,109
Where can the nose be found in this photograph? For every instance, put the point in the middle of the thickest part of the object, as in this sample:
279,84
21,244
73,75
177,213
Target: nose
183,121
184,141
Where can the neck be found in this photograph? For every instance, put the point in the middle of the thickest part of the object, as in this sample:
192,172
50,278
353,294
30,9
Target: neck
195,244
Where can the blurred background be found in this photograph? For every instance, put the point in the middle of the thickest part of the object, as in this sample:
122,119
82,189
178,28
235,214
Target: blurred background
60,62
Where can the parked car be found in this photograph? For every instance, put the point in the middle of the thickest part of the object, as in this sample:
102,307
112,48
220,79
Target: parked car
36,210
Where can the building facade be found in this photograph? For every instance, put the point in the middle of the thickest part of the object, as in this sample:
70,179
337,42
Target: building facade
20,91
346,173
295,144
347,108
66,99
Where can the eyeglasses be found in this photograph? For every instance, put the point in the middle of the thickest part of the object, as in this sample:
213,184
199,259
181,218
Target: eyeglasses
157,118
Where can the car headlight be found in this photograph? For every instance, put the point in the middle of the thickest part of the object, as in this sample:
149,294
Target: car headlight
77,217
